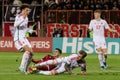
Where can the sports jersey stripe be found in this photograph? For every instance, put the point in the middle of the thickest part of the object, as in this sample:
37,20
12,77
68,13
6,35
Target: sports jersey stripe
20,43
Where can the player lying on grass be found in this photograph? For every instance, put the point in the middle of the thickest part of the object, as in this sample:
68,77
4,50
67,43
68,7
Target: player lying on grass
65,64
57,53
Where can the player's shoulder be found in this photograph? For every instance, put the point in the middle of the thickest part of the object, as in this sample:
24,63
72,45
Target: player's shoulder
103,20
93,20
19,16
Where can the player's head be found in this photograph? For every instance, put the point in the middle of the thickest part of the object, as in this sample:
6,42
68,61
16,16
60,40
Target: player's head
57,52
81,54
97,14
25,9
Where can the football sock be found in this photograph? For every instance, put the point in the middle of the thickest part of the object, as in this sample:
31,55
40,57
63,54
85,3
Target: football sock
52,72
44,72
28,62
104,58
49,62
24,60
100,57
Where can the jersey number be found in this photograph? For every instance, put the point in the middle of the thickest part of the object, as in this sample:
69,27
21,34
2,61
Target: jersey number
98,27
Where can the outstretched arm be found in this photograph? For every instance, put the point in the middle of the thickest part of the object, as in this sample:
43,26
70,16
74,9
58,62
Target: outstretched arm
112,30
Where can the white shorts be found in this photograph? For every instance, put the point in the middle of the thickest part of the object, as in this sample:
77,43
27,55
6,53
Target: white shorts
21,43
99,44
61,69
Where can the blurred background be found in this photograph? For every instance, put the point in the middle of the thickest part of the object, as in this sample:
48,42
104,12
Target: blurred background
44,12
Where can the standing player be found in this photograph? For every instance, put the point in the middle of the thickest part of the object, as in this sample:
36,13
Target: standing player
98,25
20,40
74,60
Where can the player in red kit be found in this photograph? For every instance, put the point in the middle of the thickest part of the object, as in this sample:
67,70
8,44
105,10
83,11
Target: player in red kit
57,54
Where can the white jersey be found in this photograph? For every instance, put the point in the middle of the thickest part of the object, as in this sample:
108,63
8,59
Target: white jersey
21,28
98,29
70,58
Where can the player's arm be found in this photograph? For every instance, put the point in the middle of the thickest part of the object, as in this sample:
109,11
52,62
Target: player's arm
83,69
90,27
18,21
82,65
108,28
68,69
45,58
112,30
31,30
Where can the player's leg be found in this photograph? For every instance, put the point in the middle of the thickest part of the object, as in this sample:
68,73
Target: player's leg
29,53
23,46
99,52
24,61
47,67
59,70
100,57
104,51
104,57
50,62
52,72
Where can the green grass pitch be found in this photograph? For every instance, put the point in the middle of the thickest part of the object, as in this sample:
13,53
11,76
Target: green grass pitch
8,67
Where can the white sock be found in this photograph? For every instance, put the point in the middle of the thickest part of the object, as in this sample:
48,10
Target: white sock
104,57
49,62
24,60
28,62
100,57
44,72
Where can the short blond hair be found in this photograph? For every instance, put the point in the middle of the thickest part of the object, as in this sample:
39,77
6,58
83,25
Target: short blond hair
98,11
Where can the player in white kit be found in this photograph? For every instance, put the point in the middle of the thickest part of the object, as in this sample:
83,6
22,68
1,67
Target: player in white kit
98,26
20,40
72,61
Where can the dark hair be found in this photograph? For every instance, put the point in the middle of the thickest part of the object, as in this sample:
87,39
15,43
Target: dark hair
98,11
60,51
83,53
23,6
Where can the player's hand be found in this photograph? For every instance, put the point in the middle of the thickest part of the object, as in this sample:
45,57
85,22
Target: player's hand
84,73
114,30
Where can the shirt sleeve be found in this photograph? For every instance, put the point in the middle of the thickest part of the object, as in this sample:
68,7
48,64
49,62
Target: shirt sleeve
29,30
82,64
90,25
18,21
71,58
106,25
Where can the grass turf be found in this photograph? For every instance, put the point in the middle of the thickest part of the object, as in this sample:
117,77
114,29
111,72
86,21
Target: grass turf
9,65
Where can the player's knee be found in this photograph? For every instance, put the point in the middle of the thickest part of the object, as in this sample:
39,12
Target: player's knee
99,51
104,51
